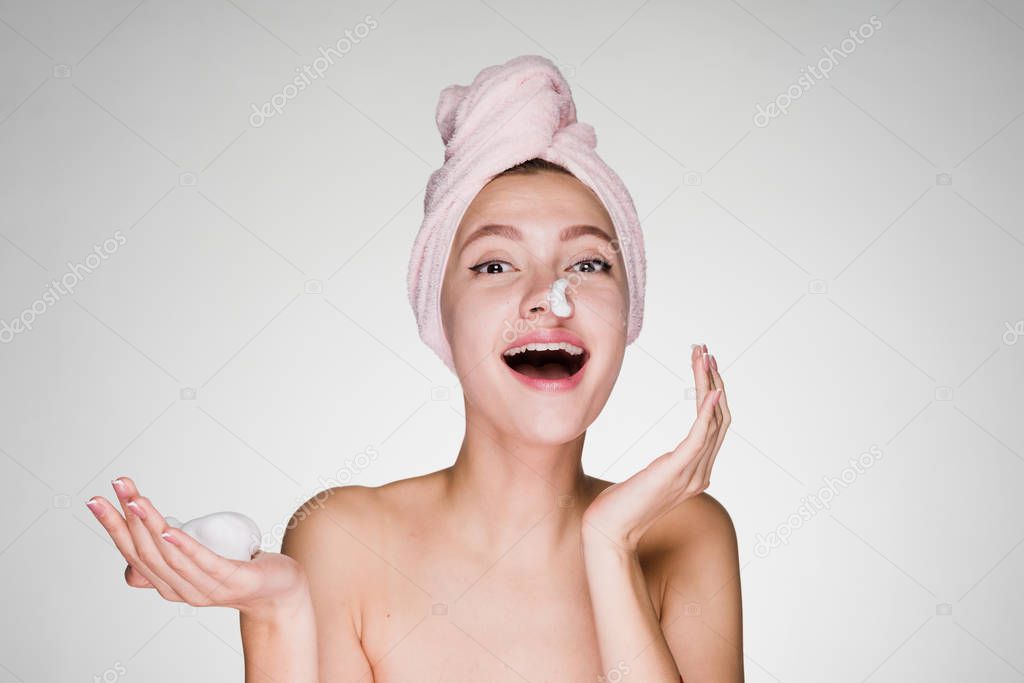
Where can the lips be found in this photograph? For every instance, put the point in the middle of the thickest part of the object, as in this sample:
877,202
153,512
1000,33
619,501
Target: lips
548,359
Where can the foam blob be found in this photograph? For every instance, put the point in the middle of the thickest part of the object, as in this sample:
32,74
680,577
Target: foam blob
230,534
559,304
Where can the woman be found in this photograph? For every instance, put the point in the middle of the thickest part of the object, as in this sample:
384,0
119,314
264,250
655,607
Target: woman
512,564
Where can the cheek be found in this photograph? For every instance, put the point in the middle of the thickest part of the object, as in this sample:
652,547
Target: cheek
606,301
474,317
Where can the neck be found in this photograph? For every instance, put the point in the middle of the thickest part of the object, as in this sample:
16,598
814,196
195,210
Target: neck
504,491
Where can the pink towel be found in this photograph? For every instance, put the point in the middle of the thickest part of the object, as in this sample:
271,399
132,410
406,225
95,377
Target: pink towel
511,112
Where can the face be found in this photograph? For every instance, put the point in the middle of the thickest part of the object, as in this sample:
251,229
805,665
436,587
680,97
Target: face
519,235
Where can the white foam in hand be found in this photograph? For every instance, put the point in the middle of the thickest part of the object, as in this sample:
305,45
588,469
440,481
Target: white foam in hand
230,534
559,304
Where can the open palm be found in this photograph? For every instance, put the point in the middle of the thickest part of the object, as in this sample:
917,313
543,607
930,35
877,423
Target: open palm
623,512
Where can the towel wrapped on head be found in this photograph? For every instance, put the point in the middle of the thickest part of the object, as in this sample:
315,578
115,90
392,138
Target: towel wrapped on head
510,113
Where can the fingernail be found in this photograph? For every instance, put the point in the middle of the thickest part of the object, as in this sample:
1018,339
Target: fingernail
94,508
704,357
714,363
705,347
119,485
136,508
167,536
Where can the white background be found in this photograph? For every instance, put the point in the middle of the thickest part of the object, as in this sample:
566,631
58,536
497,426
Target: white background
854,295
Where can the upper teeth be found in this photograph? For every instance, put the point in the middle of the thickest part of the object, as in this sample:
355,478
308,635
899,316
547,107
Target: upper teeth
549,346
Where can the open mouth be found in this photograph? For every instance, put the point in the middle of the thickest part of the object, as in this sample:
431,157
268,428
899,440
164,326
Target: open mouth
556,360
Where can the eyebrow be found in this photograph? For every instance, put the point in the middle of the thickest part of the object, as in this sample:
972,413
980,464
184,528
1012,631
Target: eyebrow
511,232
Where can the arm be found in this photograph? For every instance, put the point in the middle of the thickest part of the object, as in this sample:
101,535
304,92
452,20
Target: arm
269,590
281,645
701,615
323,630
629,636
615,522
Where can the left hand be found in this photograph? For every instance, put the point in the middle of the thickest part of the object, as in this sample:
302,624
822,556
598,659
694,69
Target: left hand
621,513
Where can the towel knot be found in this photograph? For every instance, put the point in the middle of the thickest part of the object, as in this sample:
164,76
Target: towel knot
578,132
528,96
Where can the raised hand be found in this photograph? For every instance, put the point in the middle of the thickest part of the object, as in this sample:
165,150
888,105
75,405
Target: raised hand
621,513
183,570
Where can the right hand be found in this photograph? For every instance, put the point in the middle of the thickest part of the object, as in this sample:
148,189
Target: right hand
184,570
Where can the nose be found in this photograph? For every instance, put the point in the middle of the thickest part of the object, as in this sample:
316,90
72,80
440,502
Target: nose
549,295
560,305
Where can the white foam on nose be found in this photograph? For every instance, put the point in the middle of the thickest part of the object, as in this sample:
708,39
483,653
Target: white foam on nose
560,306
230,534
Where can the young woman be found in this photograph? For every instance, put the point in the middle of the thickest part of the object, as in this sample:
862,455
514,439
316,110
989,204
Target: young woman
512,564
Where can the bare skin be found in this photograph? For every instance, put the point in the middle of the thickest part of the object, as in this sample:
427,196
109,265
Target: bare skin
479,571
510,612
512,564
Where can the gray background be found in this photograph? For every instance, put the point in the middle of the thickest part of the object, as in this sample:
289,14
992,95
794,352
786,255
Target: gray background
855,265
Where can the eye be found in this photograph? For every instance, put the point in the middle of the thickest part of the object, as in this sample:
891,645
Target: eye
490,263
604,265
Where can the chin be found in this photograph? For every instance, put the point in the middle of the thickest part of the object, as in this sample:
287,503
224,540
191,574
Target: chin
550,428
541,414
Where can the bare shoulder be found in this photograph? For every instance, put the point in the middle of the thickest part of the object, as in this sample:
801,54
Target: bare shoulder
687,532
340,523
325,536
316,519
338,535
700,521
322,533
692,555
690,562
695,564
697,534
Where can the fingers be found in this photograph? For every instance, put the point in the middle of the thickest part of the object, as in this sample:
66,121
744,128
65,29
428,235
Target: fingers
199,586
723,419
134,579
697,474
146,556
167,561
216,568
696,443
726,416
701,378
146,525
722,407
159,556
115,525
706,435
214,575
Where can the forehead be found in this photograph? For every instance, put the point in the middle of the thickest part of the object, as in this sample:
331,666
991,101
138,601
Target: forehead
533,201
